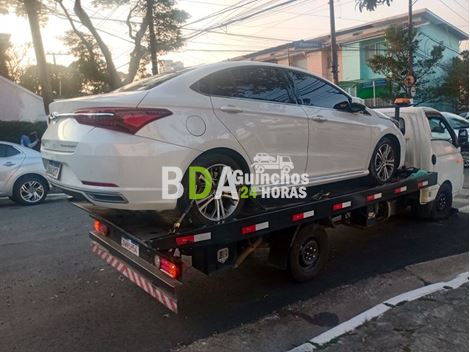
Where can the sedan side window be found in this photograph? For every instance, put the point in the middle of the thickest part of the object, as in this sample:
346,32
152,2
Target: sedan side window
261,83
251,82
439,129
316,92
7,151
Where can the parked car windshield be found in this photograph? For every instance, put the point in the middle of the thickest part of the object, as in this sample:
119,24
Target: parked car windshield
456,121
151,82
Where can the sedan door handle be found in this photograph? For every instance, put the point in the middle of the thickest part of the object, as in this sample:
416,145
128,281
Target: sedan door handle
231,109
319,119
8,163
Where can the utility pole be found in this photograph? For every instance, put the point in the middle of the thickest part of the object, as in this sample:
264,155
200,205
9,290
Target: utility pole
32,11
152,38
334,53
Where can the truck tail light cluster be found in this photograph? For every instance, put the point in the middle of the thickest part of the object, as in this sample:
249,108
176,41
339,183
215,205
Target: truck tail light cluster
100,228
127,120
173,270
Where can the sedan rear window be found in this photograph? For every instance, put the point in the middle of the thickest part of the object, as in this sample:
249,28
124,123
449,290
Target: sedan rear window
151,82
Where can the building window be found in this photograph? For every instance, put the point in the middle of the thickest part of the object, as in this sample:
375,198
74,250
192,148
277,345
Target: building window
374,49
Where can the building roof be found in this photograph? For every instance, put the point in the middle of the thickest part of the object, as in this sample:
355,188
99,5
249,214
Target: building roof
423,14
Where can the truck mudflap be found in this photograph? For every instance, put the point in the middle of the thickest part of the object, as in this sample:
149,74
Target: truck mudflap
137,271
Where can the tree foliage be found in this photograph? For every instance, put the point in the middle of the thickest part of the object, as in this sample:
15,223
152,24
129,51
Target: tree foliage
10,58
371,5
167,21
65,81
393,63
90,64
455,82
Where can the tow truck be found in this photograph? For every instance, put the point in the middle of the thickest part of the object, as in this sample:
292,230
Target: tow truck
154,255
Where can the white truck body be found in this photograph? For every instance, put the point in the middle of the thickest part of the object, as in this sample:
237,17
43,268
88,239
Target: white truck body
432,151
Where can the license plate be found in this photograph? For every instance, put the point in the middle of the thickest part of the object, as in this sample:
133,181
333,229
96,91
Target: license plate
130,245
53,169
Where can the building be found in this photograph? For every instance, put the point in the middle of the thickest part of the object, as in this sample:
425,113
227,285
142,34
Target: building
357,45
19,104
167,66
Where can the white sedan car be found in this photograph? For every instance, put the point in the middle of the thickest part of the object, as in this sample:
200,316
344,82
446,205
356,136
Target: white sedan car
110,148
22,174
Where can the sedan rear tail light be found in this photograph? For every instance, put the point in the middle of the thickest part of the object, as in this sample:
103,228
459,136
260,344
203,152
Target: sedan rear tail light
127,120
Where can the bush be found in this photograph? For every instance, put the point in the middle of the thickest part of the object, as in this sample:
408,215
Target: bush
11,131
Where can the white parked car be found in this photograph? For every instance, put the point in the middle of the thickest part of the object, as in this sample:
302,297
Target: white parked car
459,123
110,148
22,174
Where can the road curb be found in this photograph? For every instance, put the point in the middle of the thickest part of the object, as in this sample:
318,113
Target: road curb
378,310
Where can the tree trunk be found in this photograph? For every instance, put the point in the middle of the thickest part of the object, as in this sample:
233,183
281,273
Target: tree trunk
114,80
32,11
152,38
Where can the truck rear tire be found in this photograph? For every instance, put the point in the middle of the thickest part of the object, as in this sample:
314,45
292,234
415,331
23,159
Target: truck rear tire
442,205
308,253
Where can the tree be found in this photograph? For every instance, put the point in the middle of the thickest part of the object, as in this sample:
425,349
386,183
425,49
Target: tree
167,21
90,64
11,58
455,82
5,56
65,82
393,63
371,5
34,9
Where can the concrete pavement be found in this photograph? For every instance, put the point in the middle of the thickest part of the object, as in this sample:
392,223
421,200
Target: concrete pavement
434,323
55,295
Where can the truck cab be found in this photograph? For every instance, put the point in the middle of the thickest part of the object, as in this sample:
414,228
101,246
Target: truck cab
431,144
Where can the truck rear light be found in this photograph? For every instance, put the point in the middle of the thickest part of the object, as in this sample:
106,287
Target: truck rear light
100,228
127,120
168,267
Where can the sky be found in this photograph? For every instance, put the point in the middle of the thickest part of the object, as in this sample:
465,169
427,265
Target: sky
301,19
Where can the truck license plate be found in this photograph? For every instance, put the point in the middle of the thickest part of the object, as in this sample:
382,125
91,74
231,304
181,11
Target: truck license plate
130,245
53,169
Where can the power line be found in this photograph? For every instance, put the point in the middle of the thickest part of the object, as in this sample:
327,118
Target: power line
243,35
244,17
458,3
451,9
218,13
439,43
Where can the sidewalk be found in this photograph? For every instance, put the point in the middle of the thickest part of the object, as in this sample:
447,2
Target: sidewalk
437,322
294,326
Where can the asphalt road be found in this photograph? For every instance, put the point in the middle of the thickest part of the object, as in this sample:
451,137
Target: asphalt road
55,295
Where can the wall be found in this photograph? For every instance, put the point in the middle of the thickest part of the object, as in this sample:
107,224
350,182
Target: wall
19,104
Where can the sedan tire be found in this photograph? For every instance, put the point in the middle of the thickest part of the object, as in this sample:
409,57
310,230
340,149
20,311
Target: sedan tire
384,161
209,210
30,190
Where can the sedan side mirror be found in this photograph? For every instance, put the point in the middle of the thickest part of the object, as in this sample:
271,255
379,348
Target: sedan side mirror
349,106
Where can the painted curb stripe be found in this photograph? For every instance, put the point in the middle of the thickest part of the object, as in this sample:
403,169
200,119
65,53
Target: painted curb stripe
378,310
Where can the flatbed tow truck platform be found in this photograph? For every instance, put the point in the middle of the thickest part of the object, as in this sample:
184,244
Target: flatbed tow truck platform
150,253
